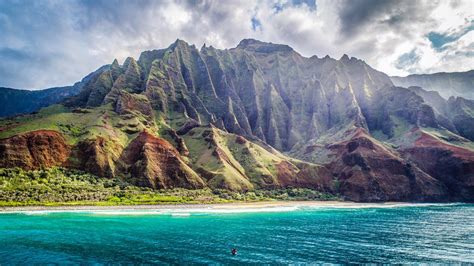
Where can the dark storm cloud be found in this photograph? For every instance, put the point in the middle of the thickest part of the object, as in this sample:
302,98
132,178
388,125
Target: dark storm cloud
356,15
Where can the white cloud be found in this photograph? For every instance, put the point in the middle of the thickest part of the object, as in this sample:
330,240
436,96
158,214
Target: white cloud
51,43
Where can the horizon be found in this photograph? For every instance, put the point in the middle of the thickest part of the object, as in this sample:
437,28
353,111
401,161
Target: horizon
72,38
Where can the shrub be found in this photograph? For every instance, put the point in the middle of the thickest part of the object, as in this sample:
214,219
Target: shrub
60,186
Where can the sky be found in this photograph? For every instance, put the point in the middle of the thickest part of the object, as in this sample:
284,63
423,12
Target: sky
48,43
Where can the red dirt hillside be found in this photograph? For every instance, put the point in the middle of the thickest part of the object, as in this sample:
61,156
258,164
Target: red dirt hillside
368,171
154,162
35,149
452,165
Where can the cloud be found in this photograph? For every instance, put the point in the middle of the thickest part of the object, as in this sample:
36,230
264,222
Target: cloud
358,15
397,36
51,43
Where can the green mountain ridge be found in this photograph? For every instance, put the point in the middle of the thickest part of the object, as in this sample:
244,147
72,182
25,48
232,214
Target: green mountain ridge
257,116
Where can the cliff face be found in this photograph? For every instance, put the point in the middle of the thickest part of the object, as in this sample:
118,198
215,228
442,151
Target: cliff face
256,89
260,116
455,114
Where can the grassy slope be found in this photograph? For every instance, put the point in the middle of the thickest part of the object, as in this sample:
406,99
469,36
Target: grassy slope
402,127
242,166
62,187
78,125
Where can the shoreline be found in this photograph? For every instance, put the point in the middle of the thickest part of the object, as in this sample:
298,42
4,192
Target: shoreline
224,207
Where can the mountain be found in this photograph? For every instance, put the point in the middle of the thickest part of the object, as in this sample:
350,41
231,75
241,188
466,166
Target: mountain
457,84
257,116
16,102
455,114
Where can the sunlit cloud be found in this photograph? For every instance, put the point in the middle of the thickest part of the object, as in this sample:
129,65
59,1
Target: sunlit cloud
54,43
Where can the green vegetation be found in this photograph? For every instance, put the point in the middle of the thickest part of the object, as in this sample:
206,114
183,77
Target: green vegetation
400,126
239,164
78,124
448,137
60,187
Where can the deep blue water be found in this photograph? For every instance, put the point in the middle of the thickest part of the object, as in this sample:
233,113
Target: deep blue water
442,233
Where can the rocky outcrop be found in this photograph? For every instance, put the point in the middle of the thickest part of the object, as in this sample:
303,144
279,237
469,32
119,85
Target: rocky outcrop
94,89
97,156
396,105
306,175
178,142
33,150
127,103
153,162
190,124
130,80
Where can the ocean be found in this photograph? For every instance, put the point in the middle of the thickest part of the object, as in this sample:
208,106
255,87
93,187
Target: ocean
438,233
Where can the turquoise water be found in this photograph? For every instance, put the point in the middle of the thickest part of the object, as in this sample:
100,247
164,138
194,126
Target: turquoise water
441,233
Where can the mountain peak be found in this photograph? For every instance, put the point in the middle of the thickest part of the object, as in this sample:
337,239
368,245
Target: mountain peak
262,47
128,61
345,57
179,43
207,48
246,42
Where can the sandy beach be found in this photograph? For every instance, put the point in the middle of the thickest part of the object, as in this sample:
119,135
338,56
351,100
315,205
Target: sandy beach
224,207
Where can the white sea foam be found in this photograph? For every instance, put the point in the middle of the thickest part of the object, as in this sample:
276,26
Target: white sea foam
124,212
253,210
230,209
377,205
189,211
36,212
181,214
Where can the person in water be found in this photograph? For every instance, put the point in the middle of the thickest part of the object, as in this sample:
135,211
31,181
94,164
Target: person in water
234,252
